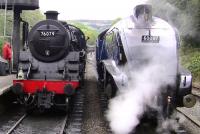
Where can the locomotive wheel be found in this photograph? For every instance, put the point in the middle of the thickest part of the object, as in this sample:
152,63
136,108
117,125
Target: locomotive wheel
29,110
106,82
101,75
108,91
104,77
114,88
111,88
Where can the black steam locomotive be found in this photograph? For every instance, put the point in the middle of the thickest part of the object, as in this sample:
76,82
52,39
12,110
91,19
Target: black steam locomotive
51,65
131,45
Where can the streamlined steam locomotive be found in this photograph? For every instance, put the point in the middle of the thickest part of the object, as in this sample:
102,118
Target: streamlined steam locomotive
51,65
131,44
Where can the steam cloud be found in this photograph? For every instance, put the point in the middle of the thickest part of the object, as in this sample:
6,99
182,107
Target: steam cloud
185,22
144,85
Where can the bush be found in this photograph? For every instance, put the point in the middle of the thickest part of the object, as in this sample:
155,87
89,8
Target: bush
87,30
1,44
190,59
195,67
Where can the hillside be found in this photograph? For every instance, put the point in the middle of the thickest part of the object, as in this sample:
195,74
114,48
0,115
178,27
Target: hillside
98,25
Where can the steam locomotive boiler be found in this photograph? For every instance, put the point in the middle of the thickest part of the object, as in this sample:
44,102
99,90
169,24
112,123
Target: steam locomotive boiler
131,45
51,64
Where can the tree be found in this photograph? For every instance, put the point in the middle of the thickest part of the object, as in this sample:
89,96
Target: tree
183,14
88,31
32,17
115,21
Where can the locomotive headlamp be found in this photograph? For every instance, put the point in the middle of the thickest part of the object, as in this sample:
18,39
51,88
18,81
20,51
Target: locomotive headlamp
47,52
185,81
20,74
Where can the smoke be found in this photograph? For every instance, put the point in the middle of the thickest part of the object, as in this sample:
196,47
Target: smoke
183,16
141,93
166,126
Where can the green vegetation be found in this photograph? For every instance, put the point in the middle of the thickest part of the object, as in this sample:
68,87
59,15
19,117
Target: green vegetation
115,21
189,27
32,17
88,31
183,14
8,27
190,58
1,43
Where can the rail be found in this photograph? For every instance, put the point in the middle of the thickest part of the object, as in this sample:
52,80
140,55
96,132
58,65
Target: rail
16,124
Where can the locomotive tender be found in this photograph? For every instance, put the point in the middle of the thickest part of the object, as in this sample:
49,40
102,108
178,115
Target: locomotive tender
51,65
134,41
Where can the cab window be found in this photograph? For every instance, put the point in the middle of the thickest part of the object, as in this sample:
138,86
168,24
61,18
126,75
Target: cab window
121,56
109,43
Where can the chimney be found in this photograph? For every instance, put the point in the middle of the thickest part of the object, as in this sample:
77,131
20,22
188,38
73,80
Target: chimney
52,15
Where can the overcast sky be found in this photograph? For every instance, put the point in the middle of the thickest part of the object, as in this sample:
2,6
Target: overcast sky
90,9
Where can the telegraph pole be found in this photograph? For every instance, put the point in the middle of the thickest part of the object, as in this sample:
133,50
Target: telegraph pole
16,37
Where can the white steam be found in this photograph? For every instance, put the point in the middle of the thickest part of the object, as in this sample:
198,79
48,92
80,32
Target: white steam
184,21
144,86
166,126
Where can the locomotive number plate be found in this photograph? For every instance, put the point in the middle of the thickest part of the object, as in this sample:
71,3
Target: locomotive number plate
47,33
150,39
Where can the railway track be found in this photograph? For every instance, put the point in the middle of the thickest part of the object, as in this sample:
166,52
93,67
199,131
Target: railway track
188,117
141,129
62,130
104,106
14,127
191,115
74,123
71,123
16,124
